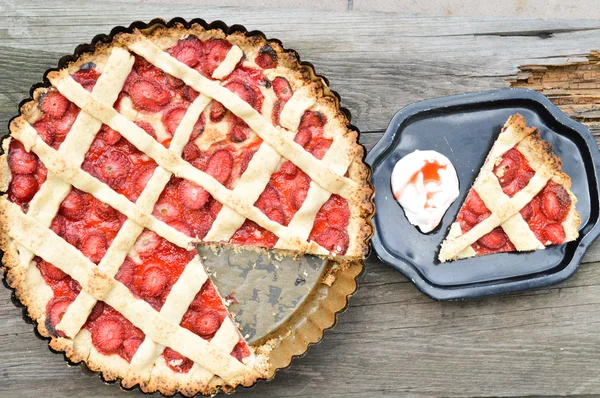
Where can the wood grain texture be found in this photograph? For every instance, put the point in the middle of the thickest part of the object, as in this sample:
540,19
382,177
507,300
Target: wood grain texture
392,340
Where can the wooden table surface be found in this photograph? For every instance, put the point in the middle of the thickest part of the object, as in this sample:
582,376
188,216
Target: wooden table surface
392,340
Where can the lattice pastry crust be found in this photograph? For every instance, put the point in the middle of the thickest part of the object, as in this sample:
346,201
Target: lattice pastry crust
506,211
27,236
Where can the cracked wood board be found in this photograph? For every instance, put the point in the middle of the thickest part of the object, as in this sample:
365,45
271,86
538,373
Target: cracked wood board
574,86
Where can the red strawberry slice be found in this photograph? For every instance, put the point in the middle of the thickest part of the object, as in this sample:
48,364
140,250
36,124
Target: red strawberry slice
554,233
149,95
172,119
58,225
276,214
108,135
114,166
238,133
130,347
338,216
191,152
198,127
94,247
191,195
214,207
555,202
187,51
154,281
319,149
41,172
527,212
174,82
198,303
96,311
104,211
475,204
303,136
147,242
238,353
189,94
219,165
108,335
509,167
469,217
298,197
199,221
49,271
182,227
289,170
207,323
282,88
54,104
215,51
54,313
334,240
147,127
142,178
74,286
266,58
22,162
276,113
176,361
64,124
87,76
494,240
166,210
243,91
24,187
248,155
312,119
268,198
46,132
126,271
302,184
217,111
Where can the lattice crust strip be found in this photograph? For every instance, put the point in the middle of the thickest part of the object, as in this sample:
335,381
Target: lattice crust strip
505,211
35,237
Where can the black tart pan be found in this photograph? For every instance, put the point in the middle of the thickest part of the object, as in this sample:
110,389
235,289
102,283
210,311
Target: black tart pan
314,311
463,128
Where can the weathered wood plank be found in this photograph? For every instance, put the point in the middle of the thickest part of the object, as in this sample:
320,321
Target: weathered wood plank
392,340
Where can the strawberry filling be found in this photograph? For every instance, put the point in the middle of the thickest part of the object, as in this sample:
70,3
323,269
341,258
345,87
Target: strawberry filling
120,165
331,225
546,213
57,113
204,318
153,272
310,134
112,333
28,174
472,213
513,172
87,224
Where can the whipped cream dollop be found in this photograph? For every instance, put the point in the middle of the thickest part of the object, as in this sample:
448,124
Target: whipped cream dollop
425,184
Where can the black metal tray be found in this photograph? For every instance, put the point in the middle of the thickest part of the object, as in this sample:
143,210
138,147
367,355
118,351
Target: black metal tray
463,128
